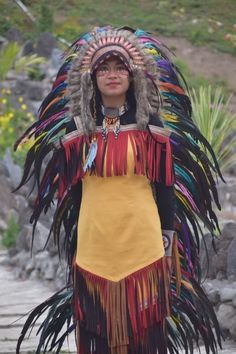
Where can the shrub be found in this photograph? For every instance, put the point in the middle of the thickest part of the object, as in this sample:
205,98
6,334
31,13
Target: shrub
10,234
216,122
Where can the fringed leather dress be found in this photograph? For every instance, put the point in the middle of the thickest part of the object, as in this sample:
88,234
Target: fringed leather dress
121,279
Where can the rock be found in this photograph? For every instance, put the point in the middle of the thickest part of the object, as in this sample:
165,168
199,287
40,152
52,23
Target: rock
46,265
22,241
231,260
3,170
19,261
227,318
21,202
24,191
45,44
34,90
13,170
227,197
34,275
24,217
221,275
7,200
3,225
214,296
14,35
217,260
232,198
40,238
30,266
50,271
234,301
21,85
56,58
28,48
35,107
41,259
60,277
227,294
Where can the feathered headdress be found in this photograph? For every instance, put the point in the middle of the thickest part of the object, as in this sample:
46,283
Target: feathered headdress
90,51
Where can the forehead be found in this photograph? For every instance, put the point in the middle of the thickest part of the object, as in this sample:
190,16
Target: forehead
112,61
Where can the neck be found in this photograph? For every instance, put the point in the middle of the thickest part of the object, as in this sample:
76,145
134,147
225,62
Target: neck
113,102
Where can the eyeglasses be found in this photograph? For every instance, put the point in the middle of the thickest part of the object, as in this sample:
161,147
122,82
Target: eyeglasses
119,70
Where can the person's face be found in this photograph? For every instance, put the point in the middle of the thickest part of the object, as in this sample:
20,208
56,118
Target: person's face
112,78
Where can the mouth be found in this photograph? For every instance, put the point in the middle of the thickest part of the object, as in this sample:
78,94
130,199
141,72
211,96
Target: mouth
113,83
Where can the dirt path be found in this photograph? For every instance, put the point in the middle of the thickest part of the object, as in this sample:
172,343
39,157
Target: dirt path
206,62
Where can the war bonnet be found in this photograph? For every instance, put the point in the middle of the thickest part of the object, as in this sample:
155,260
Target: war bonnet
94,48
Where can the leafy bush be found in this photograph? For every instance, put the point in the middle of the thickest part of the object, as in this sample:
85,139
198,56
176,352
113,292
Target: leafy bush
7,58
10,59
216,122
10,234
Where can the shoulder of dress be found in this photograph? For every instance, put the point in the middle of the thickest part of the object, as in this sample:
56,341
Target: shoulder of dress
153,129
73,131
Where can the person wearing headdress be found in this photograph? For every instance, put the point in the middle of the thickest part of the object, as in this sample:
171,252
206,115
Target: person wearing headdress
131,178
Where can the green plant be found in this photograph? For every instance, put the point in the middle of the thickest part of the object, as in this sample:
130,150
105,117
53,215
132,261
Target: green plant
10,59
10,234
216,122
29,63
7,58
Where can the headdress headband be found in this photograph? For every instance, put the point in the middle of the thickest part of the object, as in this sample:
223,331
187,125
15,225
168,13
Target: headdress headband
112,43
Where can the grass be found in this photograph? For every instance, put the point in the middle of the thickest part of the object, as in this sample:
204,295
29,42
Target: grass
200,21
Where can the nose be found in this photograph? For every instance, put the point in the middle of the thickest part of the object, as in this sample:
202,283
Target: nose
112,73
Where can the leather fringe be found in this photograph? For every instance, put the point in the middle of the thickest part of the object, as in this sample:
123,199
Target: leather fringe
124,317
111,159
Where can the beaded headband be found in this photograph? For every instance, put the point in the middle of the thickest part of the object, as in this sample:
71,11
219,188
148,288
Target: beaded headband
112,44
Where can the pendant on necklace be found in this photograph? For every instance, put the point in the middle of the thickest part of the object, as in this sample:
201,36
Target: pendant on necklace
110,124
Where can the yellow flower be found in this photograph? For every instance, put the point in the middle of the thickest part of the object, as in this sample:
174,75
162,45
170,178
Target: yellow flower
11,115
23,106
4,100
8,91
20,99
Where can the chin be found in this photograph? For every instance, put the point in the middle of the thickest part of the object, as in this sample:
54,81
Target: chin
114,92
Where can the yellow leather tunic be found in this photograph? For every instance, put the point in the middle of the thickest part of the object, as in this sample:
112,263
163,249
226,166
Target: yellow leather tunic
119,228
